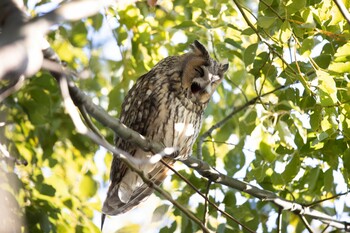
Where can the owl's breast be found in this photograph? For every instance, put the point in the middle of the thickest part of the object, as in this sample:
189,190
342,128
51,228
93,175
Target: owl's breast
180,125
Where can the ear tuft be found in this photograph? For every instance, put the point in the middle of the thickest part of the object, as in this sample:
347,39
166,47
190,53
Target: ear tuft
199,49
224,67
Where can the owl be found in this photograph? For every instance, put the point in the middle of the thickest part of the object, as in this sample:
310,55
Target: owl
165,105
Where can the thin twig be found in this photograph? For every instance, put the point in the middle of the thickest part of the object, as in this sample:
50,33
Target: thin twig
279,220
247,20
229,116
306,223
342,10
200,166
129,160
204,197
271,48
131,165
206,206
324,230
88,121
327,199
273,10
7,91
212,174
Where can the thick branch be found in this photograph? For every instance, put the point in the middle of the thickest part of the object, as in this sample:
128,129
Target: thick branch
200,166
25,39
213,175
96,138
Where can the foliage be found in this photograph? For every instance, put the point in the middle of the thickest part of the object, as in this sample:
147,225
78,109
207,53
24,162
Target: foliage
293,141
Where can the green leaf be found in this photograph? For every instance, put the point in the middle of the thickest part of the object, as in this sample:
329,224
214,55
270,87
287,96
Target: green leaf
186,24
199,4
229,199
87,186
130,228
291,169
316,117
115,97
306,46
285,32
250,53
47,190
267,151
340,67
266,21
346,160
97,21
343,53
313,178
323,60
341,63
327,89
328,180
248,32
160,212
299,124
235,159
79,34
233,43
293,6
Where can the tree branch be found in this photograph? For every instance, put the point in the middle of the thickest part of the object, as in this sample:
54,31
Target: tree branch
229,116
80,101
343,10
206,198
25,39
200,166
271,48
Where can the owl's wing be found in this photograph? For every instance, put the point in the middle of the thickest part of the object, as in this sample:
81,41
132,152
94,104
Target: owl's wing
139,111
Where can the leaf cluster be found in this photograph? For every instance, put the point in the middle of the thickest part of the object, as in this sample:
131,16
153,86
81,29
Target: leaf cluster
293,141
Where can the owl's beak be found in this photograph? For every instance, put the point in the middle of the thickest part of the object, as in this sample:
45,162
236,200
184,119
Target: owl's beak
204,84
208,88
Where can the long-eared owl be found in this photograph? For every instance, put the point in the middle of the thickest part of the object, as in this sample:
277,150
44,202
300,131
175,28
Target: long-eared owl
165,105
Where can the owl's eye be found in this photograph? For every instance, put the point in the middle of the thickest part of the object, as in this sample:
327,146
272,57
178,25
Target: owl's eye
200,71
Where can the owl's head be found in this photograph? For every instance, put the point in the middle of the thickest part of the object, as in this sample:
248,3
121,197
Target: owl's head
201,74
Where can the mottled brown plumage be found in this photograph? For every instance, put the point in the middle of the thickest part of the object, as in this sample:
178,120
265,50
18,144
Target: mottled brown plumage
165,105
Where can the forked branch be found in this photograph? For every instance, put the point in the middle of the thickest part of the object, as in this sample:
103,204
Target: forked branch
200,166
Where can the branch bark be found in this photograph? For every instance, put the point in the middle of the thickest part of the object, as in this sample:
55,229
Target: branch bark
17,37
25,38
200,166
81,101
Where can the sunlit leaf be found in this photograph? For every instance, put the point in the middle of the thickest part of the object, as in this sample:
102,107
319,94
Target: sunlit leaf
284,136
286,33
328,89
87,186
292,168
250,53
159,213
267,152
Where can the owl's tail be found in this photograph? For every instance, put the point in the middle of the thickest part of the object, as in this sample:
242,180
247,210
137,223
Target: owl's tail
114,206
